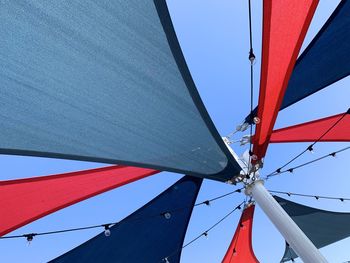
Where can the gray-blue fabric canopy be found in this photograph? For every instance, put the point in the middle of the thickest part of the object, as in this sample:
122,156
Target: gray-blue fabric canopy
324,61
154,232
322,227
103,81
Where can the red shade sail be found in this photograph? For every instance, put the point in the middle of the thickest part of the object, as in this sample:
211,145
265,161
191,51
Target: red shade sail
25,200
313,130
284,28
240,249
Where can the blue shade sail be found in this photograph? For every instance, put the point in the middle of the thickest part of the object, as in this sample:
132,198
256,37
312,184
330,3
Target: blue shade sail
322,227
103,81
154,232
324,61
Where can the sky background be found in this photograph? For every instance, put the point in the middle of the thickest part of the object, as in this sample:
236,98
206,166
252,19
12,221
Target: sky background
215,40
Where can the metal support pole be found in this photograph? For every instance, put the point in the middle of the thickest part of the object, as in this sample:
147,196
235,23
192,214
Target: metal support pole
296,238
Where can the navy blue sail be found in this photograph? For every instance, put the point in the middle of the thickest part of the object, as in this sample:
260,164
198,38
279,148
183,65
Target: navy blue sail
153,233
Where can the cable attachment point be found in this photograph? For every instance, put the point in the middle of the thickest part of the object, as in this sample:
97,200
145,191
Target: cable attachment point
242,127
256,120
29,237
310,148
238,179
255,168
249,203
107,230
245,139
232,181
253,156
251,56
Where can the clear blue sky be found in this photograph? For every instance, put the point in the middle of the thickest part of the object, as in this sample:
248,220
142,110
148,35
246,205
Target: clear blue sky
214,38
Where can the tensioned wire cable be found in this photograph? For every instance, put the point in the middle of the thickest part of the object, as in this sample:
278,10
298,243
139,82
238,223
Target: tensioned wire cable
291,170
317,197
204,233
310,147
107,225
251,59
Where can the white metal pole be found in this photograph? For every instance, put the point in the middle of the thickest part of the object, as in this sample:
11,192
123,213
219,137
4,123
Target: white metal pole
296,238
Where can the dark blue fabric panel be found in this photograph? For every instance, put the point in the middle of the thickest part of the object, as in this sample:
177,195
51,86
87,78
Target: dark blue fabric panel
103,81
324,61
145,235
322,227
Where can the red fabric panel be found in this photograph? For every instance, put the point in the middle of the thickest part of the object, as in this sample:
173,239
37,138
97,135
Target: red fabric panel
312,131
240,249
284,28
25,200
